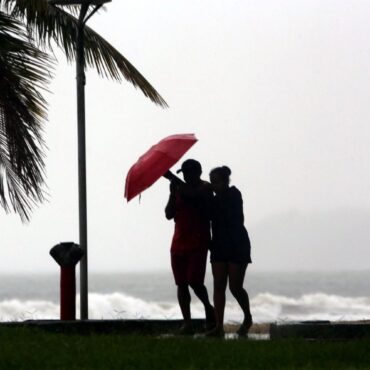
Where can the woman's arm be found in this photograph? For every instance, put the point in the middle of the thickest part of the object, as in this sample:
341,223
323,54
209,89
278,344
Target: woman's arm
236,208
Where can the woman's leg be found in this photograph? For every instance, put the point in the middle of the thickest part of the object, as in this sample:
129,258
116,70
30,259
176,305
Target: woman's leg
219,271
236,279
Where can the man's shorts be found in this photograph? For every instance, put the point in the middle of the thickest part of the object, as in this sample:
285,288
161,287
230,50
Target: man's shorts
189,267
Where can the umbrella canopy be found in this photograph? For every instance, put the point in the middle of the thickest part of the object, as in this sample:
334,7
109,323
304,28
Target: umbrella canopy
156,162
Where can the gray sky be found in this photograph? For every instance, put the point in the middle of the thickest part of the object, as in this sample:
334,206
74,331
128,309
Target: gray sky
277,90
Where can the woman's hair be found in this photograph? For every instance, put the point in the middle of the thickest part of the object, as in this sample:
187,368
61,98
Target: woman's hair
224,172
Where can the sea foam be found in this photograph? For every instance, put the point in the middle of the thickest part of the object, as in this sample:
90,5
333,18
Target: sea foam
265,307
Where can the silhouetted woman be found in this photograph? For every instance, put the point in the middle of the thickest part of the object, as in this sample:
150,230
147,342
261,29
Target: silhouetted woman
230,250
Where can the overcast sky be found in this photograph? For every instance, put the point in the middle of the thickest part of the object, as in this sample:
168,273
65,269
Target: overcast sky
277,90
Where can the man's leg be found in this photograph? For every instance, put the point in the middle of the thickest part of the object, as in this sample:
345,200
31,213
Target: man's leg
179,263
183,297
200,291
196,273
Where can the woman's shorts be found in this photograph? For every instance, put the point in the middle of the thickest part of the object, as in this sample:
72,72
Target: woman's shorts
189,267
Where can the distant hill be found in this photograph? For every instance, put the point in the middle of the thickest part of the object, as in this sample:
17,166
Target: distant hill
331,240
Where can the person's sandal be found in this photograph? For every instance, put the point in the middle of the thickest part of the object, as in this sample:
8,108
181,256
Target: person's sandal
210,320
244,327
215,333
186,329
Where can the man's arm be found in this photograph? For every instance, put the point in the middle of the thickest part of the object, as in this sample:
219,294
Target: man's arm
183,188
170,209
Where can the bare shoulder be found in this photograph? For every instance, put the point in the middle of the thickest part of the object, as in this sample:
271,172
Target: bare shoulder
206,185
235,192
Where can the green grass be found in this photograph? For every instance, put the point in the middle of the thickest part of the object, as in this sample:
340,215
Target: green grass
33,349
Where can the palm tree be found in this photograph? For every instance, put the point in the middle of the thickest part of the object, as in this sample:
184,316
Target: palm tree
28,30
23,75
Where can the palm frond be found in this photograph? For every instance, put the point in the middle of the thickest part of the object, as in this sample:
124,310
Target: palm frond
23,76
47,23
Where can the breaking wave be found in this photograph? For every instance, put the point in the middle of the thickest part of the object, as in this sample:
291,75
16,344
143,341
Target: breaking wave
265,307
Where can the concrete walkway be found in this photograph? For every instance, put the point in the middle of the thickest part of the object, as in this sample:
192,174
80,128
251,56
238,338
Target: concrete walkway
321,330
142,327
311,330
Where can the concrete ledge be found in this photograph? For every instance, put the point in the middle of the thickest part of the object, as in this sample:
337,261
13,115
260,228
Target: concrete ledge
320,330
142,327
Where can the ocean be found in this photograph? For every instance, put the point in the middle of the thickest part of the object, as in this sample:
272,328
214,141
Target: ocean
274,296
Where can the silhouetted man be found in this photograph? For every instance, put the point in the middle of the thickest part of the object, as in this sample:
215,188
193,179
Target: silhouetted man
189,205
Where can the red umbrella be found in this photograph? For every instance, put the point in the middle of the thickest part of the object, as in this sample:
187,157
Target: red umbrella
156,162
